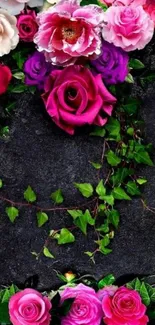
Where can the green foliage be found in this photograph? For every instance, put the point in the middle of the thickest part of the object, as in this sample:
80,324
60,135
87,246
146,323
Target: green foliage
106,281
146,291
136,64
47,253
5,295
64,237
120,194
112,158
86,189
82,220
113,128
57,196
29,195
96,165
98,132
1,183
42,218
12,213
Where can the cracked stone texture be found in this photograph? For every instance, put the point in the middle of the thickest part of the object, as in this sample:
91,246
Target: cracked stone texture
39,154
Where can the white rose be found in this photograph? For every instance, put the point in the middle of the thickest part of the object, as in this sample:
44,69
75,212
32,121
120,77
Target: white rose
14,7
8,32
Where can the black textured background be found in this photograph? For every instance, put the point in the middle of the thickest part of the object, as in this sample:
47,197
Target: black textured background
37,153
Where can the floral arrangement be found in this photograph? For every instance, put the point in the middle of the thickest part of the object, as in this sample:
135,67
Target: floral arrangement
81,49
80,301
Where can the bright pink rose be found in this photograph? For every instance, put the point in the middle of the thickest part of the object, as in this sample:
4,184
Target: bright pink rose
150,9
123,307
68,31
29,307
74,97
86,308
27,25
128,27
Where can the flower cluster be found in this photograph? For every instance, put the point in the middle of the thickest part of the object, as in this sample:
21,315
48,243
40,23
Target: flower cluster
109,304
81,50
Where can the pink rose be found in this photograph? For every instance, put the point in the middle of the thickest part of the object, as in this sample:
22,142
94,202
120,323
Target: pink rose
27,25
109,290
128,27
150,9
29,307
86,308
68,31
74,97
124,307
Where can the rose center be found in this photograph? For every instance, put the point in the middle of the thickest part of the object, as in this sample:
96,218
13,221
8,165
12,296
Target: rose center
71,31
26,28
71,93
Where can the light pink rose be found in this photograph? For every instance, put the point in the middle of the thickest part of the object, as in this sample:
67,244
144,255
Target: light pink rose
150,9
29,307
8,32
123,307
86,308
68,31
16,6
128,27
134,3
74,97
109,290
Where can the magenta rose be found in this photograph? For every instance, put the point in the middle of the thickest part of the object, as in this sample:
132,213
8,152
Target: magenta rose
29,307
150,9
123,306
86,308
128,27
74,97
68,31
27,25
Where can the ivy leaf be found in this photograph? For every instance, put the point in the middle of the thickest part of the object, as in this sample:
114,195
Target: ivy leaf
103,243
85,189
1,183
42,218
132,188
143,157
106,281
136,64
75,213
113,217
120,175
144,294
65,237
109,199
131,105
57,196
112,159
120,194
12,213
29,195
83,220
47,253
4,313
113,127
141,181
98,132
100,189
96,165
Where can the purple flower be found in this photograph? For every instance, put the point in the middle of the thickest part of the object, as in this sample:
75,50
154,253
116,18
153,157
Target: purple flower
112,64
36,70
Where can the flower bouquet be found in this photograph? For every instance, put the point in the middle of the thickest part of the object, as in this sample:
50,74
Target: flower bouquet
80,301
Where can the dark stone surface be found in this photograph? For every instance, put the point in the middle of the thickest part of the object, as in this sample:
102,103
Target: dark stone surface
39,154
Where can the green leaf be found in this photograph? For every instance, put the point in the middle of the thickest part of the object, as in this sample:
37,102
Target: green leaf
12,213
75,213
106,281
112,159
47,253
98,132
83,220
29,195
120,175
129,78
113,127
1,183
65,237
130,131
18,89
136,64
42,218
135,284
100,189
131,105
114,217
143,157
141,181
132,188
4,313
19,75
90,254
104,227
108,199
96,165
120,194
57,196
85,189
144,294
